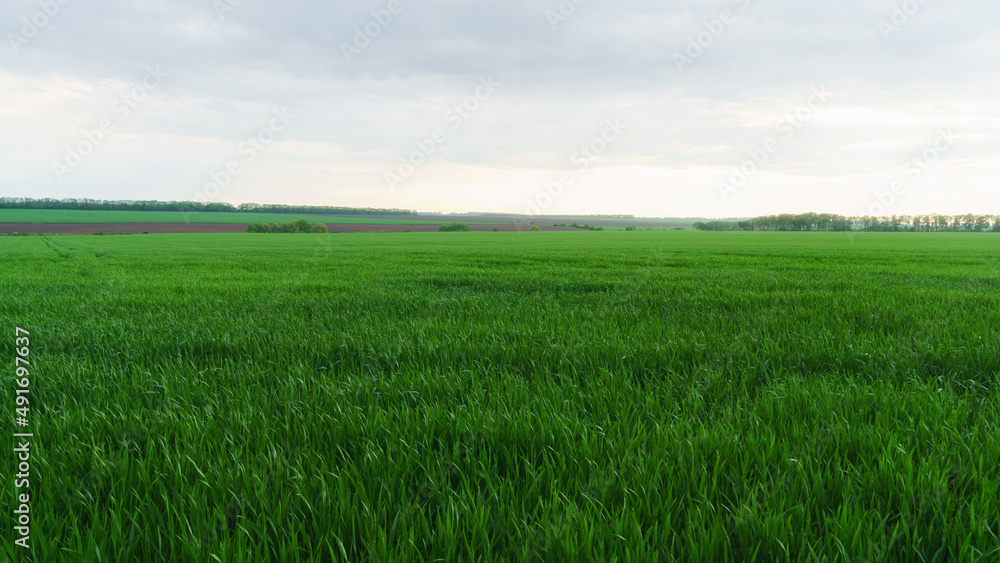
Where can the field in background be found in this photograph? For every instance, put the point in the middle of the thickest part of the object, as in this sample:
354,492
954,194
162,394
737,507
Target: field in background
73,216
48,216
531,396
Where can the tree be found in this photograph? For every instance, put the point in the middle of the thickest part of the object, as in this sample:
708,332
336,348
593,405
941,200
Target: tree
454,227
320,228
969,222
982,223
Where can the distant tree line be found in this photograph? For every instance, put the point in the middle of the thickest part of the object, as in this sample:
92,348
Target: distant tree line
297,226
829,222
187,206
716,226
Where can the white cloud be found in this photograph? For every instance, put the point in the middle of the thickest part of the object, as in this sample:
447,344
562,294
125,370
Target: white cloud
686,130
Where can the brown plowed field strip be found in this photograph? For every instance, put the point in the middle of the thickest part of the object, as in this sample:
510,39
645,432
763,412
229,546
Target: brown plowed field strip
86,228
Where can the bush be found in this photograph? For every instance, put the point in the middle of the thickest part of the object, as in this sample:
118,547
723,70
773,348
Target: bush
297,226
630,228
535,228
454,227
496,229
722,226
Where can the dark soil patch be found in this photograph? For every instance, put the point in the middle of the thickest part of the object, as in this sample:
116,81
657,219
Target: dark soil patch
90,228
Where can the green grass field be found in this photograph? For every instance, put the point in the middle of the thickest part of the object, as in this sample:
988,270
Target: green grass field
582,396
73,216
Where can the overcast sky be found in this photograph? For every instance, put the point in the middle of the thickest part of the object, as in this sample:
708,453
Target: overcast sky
711,108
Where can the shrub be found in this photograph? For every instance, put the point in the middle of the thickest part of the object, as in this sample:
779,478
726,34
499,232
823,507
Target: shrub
535,228
496,229
722,226
454,227
630,228
298,226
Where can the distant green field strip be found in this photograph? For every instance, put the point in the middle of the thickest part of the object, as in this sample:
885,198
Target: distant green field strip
73,216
